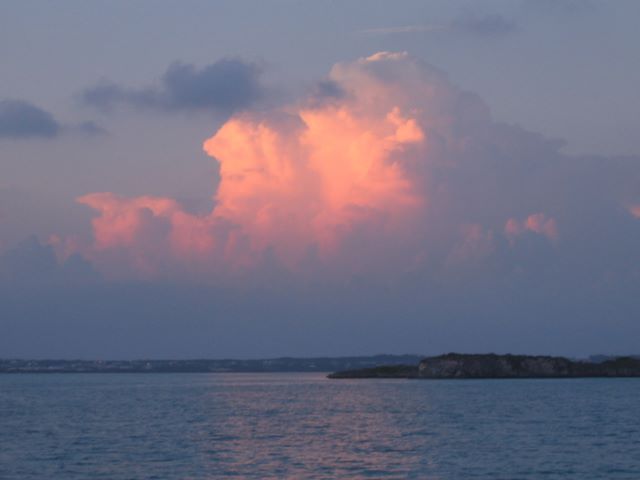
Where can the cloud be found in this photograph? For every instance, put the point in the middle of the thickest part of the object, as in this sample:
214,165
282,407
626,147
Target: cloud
294,184
148,235
488,25
224,86
386,211
485,25
89,128
32,262
537,223
28,259
406,29
20,119
326,89
397,173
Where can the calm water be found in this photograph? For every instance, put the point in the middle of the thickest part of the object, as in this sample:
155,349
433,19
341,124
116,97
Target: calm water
192,426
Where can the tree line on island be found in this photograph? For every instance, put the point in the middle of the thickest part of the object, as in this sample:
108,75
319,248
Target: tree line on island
457,365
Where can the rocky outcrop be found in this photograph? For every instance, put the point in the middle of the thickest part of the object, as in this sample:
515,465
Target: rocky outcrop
493,366
456,365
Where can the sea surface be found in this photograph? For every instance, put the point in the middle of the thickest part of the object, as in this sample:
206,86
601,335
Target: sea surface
200,426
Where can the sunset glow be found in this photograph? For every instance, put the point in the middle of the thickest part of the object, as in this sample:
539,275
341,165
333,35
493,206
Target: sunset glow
243,178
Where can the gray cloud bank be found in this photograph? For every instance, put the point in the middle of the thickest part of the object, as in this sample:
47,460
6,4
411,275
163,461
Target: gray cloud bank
33,263
224,86
20,119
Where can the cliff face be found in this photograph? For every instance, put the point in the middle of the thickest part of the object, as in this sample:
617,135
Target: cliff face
455,365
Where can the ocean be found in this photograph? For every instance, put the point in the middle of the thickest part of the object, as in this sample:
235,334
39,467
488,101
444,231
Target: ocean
292,425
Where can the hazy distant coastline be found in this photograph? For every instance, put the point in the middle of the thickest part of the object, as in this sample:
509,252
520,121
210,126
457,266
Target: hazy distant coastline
282,364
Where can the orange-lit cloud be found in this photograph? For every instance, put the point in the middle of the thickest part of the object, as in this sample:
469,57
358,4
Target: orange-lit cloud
125,222
296,181
295,186
151,232
394,166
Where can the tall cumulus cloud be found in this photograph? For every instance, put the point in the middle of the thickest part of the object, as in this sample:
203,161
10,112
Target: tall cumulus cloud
400,174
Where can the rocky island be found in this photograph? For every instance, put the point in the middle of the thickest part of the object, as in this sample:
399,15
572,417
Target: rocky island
456,365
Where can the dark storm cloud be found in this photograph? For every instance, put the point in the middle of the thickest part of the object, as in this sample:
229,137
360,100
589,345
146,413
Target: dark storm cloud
20,119
224,86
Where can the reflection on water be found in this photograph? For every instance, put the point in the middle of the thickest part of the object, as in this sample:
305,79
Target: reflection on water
188,426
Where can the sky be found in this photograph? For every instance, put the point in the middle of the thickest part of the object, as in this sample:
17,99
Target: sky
250,179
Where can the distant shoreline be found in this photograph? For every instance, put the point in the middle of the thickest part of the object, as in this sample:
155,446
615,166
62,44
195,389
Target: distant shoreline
372,366
272,365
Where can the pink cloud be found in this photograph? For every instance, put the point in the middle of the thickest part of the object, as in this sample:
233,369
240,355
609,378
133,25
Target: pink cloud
537,223
301,179
369,180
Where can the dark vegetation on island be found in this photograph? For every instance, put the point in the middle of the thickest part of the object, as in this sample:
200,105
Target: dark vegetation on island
456,365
